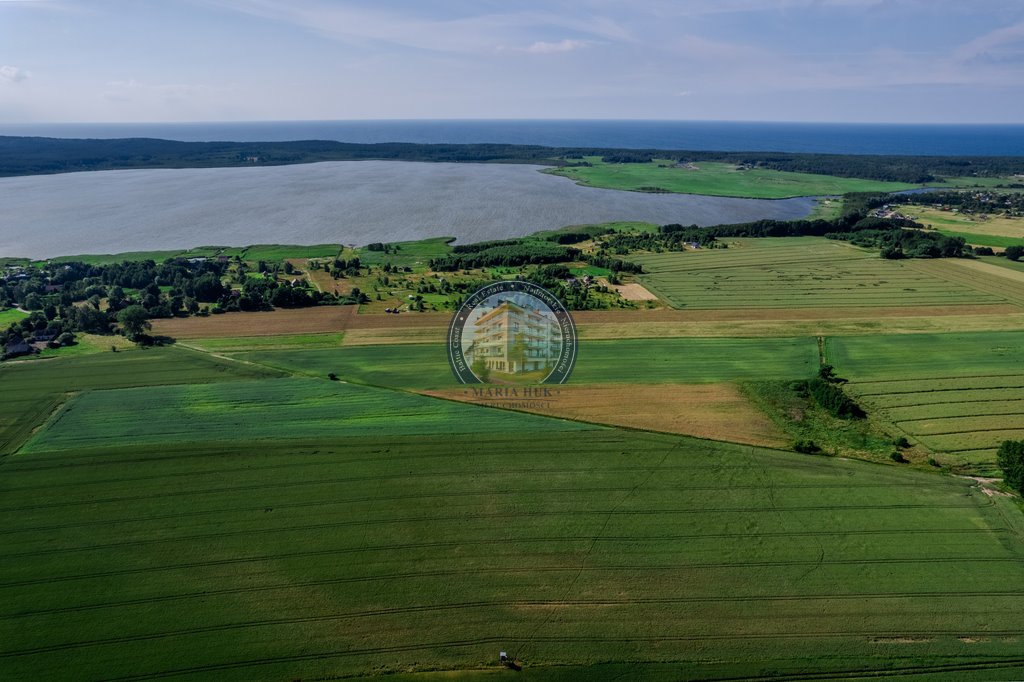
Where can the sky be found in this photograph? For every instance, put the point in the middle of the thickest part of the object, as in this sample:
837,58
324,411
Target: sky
913,61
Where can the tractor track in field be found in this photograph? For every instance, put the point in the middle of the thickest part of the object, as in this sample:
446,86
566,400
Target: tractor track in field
336,552
459,606
480,641
417,496
204,594
479,517
344,480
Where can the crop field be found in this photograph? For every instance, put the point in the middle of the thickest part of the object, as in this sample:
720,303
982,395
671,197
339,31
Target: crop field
799,273
716,179
684,360
957,394
354,556
32,390
275,410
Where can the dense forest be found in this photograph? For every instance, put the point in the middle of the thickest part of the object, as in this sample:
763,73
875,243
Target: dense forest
40,155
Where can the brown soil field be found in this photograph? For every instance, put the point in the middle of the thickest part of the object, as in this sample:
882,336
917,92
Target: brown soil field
713,411
321,319
610,324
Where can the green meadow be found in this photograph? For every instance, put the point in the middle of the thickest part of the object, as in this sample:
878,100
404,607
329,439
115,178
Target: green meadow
716,179
10,316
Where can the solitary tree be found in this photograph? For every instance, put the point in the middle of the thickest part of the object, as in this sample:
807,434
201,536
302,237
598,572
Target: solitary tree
1011,460
133,321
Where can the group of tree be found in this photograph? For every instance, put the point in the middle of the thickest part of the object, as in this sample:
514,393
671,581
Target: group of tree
514,253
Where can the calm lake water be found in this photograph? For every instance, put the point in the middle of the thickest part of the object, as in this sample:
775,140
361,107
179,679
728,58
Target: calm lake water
348,202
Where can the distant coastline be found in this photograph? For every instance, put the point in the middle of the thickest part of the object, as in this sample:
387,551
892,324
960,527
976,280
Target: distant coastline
732,136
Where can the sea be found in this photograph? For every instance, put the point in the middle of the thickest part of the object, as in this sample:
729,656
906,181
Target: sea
357,202
821,138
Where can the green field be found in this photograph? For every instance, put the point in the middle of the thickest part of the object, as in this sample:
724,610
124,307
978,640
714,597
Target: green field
361,555
684,360
278,252
410,254
267,252
285,409
959,394
10,316
798,272
716,179
32,390
984,239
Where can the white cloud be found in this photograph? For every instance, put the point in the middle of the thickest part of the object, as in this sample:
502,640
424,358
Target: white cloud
13,74
541,47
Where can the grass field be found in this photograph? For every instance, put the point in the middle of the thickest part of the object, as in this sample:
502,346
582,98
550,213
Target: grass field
10,316
998,231
716,179
622,551
652,361
279,252
800,272
958,394
409,254
32,390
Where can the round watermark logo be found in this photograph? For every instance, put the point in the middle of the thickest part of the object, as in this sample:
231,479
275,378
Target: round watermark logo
512,332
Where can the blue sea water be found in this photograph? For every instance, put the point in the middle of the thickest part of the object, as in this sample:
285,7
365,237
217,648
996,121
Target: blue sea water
834,138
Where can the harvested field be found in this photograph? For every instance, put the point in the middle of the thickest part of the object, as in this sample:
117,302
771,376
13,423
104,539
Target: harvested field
631,292
321,319
715,411
992,279
803,272
1011,320
332,319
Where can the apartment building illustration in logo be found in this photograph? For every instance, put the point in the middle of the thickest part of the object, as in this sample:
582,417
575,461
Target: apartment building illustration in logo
512,332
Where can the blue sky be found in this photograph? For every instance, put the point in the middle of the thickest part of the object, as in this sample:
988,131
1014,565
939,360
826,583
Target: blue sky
774,60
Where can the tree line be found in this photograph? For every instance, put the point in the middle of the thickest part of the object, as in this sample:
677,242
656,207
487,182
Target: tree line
40,155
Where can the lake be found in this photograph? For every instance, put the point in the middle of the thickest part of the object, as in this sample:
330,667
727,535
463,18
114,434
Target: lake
348,202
